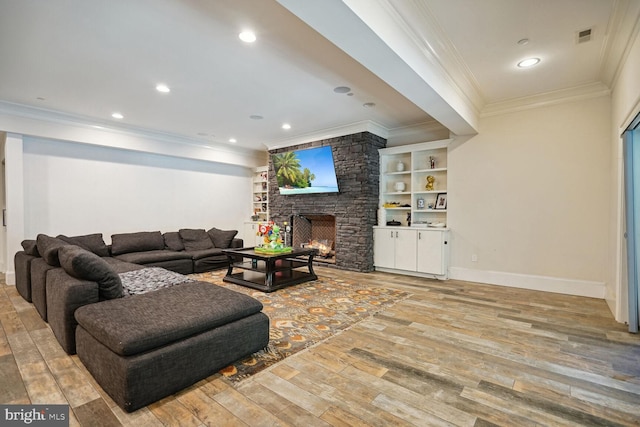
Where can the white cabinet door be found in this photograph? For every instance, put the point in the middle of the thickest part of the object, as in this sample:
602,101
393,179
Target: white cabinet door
406,251
430,252
384,252
249,234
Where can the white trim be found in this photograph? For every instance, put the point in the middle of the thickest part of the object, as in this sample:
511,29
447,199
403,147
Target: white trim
410,273
584,288
335,132
10,278
578,93
38,122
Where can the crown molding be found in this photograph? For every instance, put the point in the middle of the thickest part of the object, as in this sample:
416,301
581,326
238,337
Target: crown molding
426,131
43,123
624,24
363,126
419,23
577,93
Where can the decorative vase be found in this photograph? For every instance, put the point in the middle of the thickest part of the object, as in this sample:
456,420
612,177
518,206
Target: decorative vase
400,166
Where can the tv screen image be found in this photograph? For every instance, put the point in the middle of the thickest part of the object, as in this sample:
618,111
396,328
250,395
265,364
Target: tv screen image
306,171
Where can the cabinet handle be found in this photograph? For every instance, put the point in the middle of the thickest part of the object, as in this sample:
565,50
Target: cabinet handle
392,234
419,235
396,234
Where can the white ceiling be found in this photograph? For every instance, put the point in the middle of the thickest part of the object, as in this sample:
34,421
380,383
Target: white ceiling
448,59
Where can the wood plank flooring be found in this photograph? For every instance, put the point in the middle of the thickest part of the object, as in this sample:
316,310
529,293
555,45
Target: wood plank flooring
454,353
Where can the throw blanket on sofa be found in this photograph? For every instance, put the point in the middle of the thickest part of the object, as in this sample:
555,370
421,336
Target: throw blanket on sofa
150,279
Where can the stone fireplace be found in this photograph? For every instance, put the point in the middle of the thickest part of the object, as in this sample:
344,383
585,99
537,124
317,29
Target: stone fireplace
354,208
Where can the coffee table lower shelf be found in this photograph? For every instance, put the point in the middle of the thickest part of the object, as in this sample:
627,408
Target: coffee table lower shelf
269,272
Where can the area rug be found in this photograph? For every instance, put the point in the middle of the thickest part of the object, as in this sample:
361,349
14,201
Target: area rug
303,315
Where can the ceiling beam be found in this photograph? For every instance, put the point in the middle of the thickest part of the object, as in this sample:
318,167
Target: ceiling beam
370,34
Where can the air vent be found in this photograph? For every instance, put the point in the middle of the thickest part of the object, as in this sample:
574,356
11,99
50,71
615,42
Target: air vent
584,35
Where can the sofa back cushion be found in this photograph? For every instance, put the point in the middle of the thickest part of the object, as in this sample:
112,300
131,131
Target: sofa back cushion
172,241
30,247
195,239
136,242
48,248
91,242
85,265
222,238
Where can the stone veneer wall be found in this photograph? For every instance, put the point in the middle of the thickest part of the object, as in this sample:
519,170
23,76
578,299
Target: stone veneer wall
355,206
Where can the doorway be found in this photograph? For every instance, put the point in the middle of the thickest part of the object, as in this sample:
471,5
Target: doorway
631,146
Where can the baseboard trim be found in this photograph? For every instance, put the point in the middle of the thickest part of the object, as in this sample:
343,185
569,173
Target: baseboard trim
584,288
10,278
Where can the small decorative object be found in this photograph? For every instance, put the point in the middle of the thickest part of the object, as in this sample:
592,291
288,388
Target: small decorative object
272,241
430,206
430,181
400,186
409,219
400,166
432,162
420,203
441,201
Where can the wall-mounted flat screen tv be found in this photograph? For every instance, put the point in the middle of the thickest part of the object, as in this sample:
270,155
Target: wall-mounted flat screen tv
306,171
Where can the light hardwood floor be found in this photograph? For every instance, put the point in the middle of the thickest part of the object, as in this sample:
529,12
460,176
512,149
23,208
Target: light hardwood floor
454,353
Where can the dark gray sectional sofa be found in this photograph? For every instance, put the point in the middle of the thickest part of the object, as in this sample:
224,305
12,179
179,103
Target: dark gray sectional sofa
140,317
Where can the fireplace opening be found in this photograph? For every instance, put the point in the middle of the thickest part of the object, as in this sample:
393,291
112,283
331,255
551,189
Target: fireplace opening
316,231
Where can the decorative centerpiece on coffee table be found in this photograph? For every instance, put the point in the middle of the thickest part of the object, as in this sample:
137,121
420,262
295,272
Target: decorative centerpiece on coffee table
272,241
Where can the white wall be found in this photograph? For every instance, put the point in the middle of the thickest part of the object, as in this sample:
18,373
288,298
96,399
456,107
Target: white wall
625,106
529,196
72,188
3,229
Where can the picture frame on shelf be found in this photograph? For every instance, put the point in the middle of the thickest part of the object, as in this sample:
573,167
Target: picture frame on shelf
441,201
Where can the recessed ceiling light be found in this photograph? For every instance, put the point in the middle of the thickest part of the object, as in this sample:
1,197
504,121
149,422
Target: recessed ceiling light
529,62
256,117
247,36
523,42
342,89
369,105
163,88
117,116
40,98
286,126
233,140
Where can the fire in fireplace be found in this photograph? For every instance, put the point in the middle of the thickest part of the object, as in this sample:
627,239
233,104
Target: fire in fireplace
315,231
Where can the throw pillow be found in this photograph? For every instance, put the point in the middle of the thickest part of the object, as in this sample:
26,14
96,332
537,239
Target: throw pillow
141,241
173,241
30,247
91,242
85,265
195,239
48,248
222,238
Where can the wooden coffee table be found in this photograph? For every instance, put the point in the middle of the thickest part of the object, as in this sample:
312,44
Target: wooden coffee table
269,271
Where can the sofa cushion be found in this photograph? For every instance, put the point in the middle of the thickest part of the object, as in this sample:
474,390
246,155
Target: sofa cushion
172,241
91,242
30,247
85,265
144,322
206,253
136,242
48,248
222,238
195,239
149,257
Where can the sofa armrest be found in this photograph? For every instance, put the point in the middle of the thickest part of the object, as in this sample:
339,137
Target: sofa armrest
237,243
65,294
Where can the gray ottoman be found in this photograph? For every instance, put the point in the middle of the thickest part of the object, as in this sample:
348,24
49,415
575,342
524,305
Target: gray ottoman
145,347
